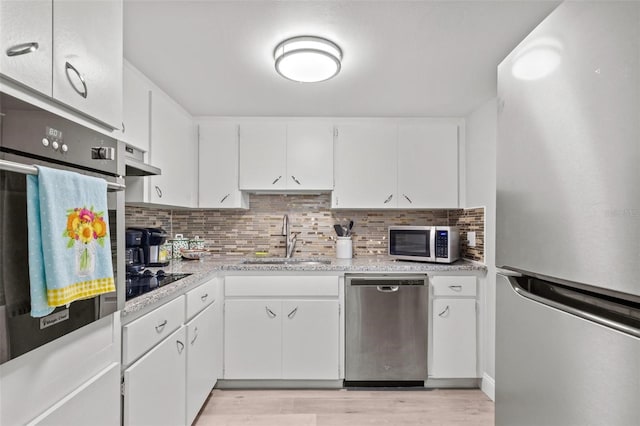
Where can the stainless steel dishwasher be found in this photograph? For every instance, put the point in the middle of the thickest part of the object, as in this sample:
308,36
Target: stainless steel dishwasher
386,329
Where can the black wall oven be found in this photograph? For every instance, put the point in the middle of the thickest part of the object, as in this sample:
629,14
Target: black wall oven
30,136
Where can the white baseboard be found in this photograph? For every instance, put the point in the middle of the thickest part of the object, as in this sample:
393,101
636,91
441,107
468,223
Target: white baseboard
488,386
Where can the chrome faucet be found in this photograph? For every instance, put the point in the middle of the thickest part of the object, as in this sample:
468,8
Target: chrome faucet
290,237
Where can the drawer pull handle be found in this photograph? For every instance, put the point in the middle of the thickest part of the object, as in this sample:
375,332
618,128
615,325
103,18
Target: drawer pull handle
195,335
22,49
295,180
456,287
408,199
160,326
158,191
388,199
180,346
270,312
84,90
204,297
224,198
293,313
445,312
388,288
276,181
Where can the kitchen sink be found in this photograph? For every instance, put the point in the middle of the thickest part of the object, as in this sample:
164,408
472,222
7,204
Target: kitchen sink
281,261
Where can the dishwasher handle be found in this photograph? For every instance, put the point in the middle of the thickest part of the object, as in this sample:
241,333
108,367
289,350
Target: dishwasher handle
388,288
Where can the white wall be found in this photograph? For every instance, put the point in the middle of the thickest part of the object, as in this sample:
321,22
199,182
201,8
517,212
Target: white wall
480,190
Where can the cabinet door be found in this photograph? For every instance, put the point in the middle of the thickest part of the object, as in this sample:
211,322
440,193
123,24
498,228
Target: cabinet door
98,400
154,391
135,108
252,339
203,342
365,166
218,171
25,25
310,340
87,57
428,165
454,338
262,156
310,156
173,149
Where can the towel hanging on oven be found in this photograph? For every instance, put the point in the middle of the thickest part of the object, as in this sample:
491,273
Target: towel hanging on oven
69,245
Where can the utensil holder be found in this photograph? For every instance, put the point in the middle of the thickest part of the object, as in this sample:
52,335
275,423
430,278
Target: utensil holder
344,248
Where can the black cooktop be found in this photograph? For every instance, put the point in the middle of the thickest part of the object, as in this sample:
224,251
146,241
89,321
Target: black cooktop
144,282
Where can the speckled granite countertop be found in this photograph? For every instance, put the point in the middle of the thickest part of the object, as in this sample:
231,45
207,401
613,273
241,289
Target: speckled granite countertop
209,267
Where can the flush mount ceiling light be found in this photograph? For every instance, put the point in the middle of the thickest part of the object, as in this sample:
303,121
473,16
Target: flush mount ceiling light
307,59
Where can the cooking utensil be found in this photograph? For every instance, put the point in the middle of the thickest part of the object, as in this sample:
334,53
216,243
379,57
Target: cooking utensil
349,228
339,230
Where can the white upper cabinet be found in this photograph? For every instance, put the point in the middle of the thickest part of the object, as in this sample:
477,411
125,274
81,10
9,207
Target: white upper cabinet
70,50
218,168
174,137
391,164
286,156
365,165
263,156
136,98
428,165
87,58
310,155
25,42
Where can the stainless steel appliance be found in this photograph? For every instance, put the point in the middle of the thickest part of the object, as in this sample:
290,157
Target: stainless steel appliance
134,253
144,281
135,165
386,329
568,221
425,243
31,136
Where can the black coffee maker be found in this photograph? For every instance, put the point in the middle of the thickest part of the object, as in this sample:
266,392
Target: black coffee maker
151,240
134,253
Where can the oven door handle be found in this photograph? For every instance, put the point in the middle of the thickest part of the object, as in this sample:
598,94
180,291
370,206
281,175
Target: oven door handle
11,166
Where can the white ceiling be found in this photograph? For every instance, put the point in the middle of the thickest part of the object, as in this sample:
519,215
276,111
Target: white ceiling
401,58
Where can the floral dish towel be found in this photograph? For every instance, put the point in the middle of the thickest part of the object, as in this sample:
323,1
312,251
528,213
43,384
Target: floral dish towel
69,246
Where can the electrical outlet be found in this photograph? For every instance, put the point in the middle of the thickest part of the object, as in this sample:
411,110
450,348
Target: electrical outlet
471,239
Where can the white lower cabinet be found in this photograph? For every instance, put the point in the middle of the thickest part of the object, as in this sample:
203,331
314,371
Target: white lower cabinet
274,328
454,328
95,400
154,392
310,341
204,353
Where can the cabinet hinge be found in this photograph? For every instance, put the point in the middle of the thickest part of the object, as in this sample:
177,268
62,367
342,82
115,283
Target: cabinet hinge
122,388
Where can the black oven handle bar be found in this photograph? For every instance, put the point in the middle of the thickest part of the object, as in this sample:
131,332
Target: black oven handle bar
11,166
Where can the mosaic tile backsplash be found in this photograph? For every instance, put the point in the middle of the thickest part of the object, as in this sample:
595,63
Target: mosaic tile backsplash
259,229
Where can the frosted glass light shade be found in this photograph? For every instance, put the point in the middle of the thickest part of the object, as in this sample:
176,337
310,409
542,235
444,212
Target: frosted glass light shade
307,59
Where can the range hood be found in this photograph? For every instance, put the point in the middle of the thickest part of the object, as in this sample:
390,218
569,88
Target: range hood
135,165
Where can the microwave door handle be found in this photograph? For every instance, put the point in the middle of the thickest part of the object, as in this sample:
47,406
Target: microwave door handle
432,244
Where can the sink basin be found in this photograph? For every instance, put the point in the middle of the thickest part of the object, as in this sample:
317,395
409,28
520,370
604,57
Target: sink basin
280,261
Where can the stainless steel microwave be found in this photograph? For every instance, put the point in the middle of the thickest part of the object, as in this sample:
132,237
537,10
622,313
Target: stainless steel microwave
425,243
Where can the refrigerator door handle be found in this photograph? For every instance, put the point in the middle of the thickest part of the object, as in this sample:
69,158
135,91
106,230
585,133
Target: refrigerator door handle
591,307
508,273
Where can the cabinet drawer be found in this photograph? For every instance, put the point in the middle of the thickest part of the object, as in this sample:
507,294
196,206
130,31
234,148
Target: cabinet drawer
145,332
201,297
284,286
454,286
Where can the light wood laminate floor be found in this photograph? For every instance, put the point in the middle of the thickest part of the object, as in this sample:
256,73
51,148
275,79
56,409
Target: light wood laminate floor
445,407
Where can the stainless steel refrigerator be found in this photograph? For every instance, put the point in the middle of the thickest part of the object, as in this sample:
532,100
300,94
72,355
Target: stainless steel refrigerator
568,221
